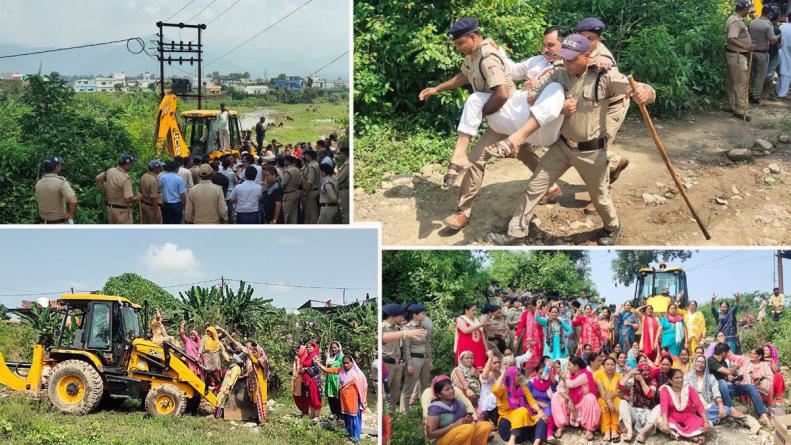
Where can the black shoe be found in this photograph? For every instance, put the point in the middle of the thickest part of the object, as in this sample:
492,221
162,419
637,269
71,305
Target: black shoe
742,117
755,101
504,239
610,238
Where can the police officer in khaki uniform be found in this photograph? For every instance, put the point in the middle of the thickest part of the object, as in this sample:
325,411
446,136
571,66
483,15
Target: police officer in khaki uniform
328,195
512,316
393,353
496,333
737,48
343,184
151,191
310,188
117,187
52,191
206,201
416,352
290,180
762,34
582,143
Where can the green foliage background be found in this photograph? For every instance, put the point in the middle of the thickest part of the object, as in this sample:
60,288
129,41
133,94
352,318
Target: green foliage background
401,46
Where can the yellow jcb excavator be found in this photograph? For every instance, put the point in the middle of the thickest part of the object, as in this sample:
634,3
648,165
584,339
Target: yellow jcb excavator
100,353
198,135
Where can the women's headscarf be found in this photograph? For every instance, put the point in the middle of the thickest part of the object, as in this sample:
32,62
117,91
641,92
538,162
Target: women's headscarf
194,336
333,359
461,356
434,381
678,326
355,375
691,378
643,366
516,396
775,355
308,360
211,342
302,352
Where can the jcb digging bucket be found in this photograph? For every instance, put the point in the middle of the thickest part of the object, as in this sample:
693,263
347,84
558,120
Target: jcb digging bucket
31,382
239,405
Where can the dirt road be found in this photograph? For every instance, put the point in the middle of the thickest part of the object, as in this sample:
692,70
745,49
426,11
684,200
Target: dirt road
754,205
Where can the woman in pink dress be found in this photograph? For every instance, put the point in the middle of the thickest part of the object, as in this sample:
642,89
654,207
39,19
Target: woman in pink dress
469,336
192,347
591,330
580,407
773,358
682,413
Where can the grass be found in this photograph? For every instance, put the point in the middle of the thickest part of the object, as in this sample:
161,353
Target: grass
305,127
26,422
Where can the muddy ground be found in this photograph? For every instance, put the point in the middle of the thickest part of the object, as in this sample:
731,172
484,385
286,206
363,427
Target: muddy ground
742,203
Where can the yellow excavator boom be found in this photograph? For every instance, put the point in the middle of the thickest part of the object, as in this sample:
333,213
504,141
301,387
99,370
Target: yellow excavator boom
167,133
31,382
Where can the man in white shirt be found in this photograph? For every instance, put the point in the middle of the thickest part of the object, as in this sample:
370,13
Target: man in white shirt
223,128
784,56
246,197
184,171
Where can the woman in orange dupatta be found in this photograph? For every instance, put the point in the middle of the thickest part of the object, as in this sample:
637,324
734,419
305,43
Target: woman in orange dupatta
353,392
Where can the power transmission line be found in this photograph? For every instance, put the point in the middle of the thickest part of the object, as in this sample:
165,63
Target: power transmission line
201,11
182,8
222,13
331,62
136,39
261,32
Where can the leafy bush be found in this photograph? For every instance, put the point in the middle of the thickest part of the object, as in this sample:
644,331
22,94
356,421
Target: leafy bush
408,428
137,289
16,341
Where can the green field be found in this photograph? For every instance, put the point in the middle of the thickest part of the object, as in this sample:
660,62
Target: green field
308,125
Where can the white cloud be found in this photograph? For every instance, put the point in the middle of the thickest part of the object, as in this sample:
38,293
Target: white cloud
168,260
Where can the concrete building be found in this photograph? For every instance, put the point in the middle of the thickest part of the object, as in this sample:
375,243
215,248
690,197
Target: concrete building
290,83
256,90
85,86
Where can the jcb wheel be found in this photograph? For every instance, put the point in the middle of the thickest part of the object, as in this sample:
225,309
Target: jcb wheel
75,387
166,401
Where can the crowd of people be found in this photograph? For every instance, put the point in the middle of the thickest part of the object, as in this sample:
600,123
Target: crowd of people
293,184
531,366
223,362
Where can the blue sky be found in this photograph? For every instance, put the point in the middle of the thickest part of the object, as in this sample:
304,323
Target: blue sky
720,271
55,260
300,44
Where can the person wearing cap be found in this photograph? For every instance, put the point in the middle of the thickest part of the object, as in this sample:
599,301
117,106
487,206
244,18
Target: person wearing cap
762,34
601,58
223,125
737,48
310,188
290,180
343,184
328,195
416,351
393,353
582,143
496,332
151,192
116,185
206,201
52,191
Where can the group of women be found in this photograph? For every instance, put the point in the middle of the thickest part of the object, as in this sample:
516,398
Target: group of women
614,384
346,386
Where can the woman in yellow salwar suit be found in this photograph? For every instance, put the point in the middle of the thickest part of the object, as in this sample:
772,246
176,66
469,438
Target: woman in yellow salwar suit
258,372
519,411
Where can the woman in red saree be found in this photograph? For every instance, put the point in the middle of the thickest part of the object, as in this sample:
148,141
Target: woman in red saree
469,336
650,331
591,330
530,328
311,386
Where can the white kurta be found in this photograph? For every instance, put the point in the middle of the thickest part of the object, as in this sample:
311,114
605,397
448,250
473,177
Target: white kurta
784,52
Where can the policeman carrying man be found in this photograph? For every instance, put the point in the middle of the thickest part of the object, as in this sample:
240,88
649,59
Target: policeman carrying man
52,191
393,353
762,34
151,192
738,45
117,187
583,139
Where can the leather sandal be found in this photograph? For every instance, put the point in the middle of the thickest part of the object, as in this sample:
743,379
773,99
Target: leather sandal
452,174
501,149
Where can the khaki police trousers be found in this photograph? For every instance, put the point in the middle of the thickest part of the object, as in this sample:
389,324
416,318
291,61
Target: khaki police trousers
736,82
616,114
395,377
473,177
151,215
291,207
119,216
758,76
310,207
327,214
343,196
411,382
591,166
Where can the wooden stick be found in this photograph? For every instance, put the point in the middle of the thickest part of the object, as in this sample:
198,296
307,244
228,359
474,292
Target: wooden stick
749,74
666,158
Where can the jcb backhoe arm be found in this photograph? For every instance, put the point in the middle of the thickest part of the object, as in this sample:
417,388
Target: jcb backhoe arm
167,133
32,382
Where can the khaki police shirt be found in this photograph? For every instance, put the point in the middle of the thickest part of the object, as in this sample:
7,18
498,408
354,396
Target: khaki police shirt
485,70
310,178
416,345
588,122
52,191
343,176
329,191
206,204
500,327
150,187
603,51
118,186
512,317
761,33
736,29
290,179
392,349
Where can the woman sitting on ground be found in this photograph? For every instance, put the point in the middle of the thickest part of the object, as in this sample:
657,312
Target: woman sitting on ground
682,413
684,363
640,413
487,402
708,389
540,387
582,393
720,339
448,421
607,384
758,373
465,377
773,358
519,411
353,389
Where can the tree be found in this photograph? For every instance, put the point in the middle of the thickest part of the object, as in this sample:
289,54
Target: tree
138,290
628,262
4,313
44,320
558,272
